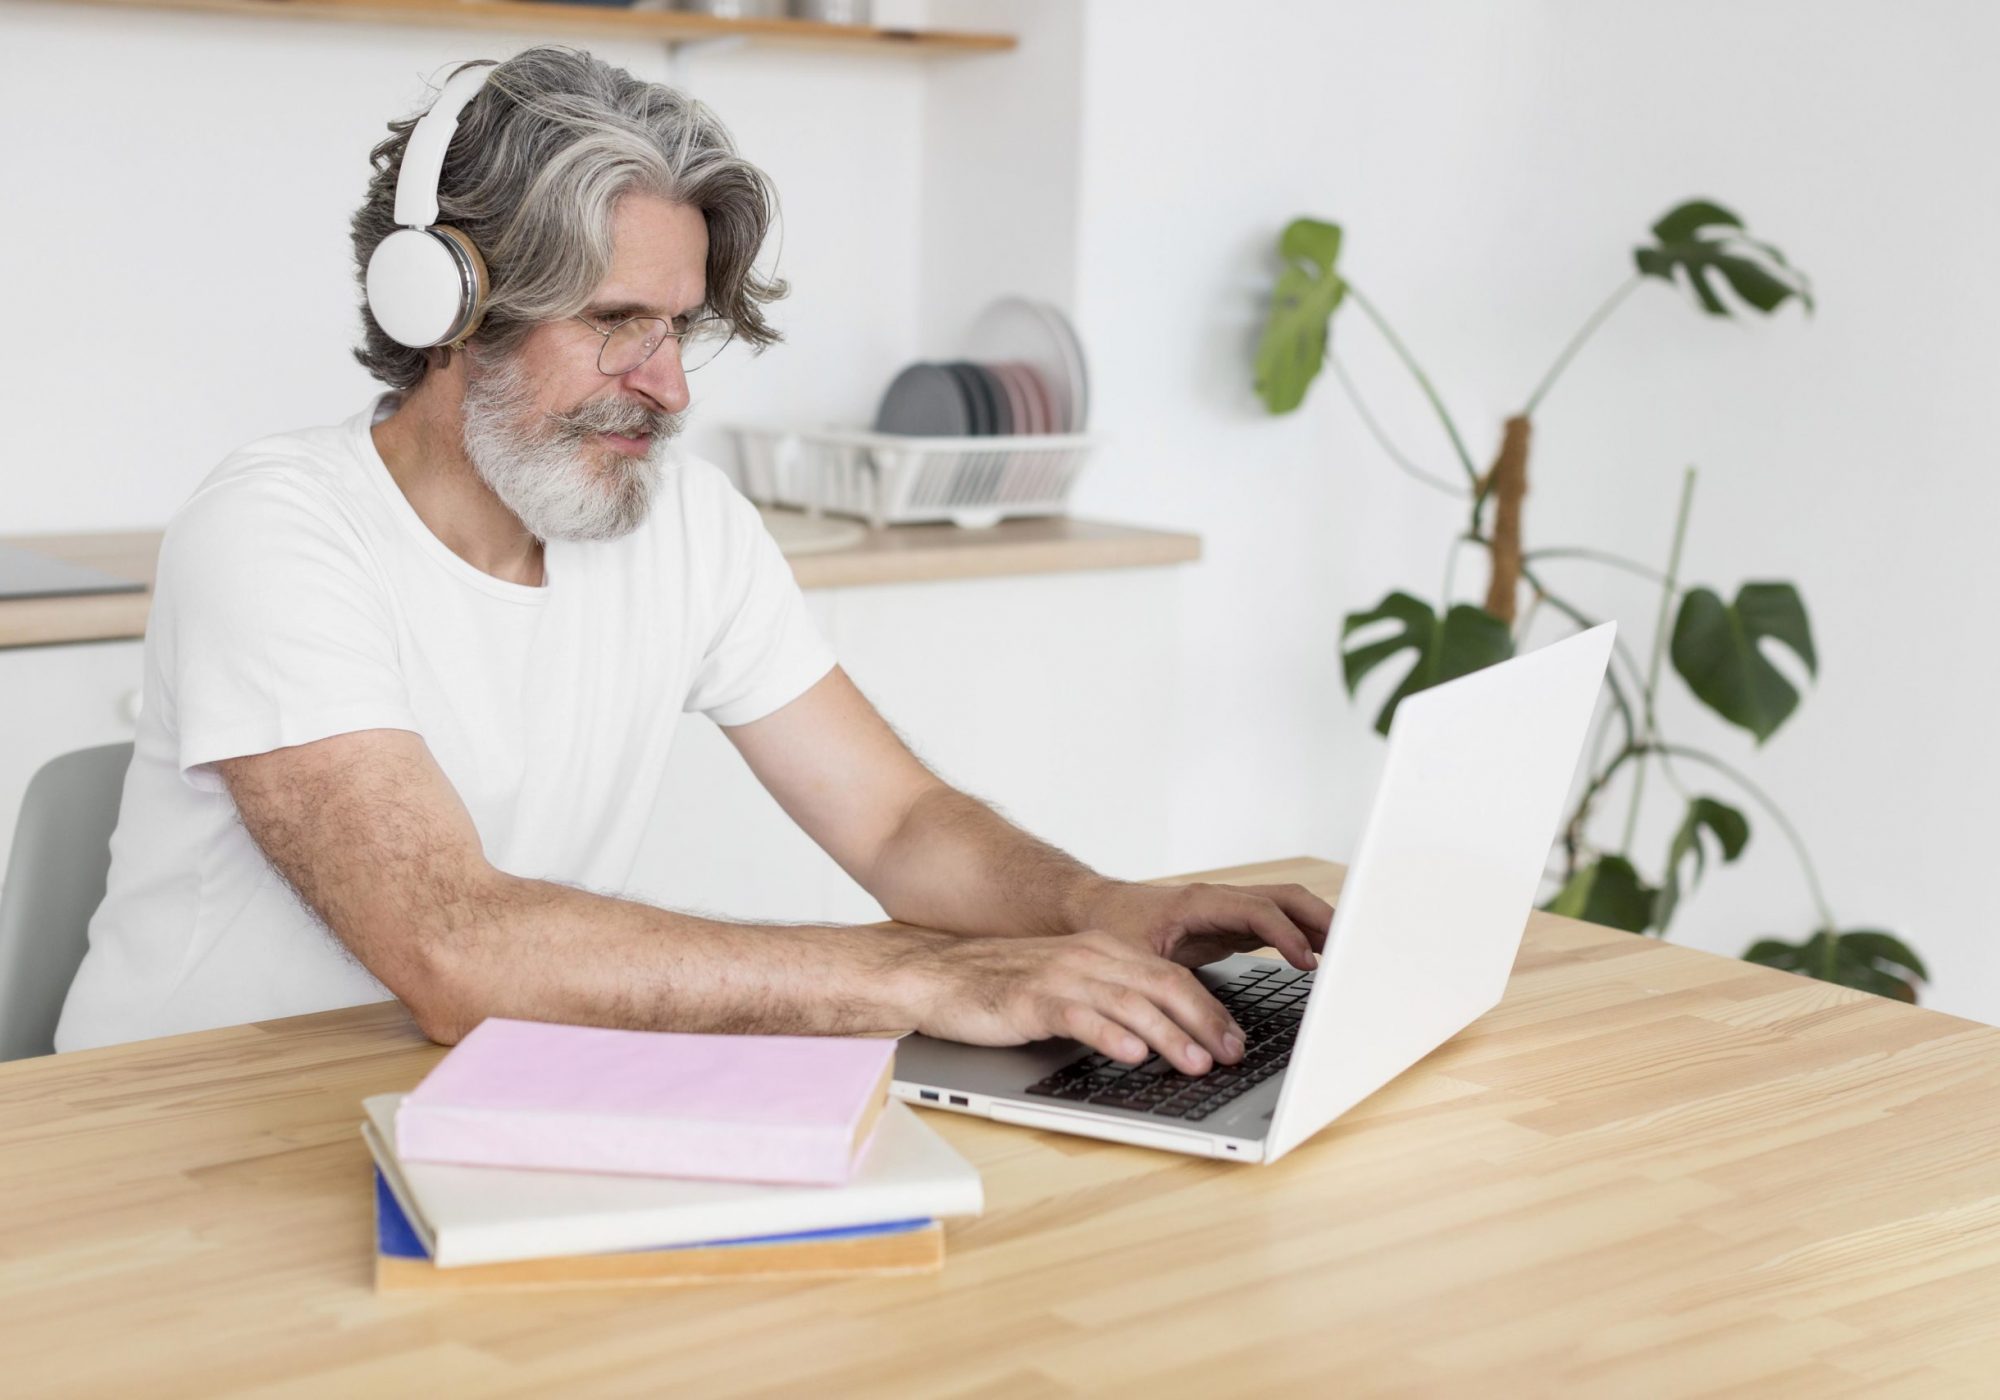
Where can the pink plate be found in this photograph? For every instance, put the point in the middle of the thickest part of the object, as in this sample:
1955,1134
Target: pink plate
1040,412
1017,396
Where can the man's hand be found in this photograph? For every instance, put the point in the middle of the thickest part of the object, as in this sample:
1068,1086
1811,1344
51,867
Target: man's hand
1096,987
1200,923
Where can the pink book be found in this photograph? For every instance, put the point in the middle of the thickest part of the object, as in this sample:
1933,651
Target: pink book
779,1108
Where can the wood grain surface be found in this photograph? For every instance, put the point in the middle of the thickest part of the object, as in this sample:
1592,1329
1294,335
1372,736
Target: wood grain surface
98,617
898,554
1648,1172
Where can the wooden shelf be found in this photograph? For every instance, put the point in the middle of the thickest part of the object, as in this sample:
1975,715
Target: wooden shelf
899,554
670,26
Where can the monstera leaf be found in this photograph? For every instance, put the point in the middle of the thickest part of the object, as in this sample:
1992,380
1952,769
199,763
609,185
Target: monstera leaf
1468,639
1867,959
1701,238
1716,650
1302,306
1719,820
1607,891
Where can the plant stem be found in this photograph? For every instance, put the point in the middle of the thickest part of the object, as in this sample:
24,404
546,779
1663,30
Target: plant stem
1573,831
1619,653
1535,601
1374,426
1597,319
1599,556
1423,381
1668,591
1784,824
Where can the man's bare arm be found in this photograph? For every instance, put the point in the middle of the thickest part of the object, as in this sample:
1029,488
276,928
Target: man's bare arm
370,833
939,858
934,856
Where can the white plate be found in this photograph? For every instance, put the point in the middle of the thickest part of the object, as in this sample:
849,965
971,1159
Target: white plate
1014,328
1079,370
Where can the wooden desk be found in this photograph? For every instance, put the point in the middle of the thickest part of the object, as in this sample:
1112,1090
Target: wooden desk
1649,1172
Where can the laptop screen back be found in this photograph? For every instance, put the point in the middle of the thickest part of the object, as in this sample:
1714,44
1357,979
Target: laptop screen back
1431,915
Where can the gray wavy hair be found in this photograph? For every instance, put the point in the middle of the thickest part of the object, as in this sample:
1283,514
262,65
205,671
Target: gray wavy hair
533,175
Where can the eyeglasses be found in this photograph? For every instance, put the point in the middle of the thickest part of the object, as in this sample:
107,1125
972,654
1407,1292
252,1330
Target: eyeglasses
631,342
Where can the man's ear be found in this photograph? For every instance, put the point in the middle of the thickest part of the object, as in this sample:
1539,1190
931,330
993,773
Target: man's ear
443,363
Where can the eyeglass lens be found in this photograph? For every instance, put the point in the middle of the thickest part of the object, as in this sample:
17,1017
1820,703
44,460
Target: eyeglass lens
632,343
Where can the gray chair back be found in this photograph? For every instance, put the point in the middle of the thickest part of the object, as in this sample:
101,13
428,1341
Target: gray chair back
55,881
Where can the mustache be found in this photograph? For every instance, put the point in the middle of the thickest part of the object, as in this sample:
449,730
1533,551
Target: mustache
624,419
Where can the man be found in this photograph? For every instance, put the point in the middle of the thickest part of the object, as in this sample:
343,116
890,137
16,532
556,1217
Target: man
411,680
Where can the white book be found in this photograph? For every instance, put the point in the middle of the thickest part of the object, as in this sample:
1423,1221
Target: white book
492,1215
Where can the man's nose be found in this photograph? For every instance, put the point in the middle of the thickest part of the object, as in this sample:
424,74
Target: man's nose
661,378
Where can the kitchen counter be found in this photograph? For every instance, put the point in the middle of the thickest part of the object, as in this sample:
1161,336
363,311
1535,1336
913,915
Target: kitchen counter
898,554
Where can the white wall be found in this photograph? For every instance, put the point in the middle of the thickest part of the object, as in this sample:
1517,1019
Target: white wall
1001,177
179,277
1493,165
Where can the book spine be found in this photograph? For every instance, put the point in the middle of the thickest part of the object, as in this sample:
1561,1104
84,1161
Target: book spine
919,1250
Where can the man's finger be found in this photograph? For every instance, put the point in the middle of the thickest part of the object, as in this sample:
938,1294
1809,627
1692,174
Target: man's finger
1079,1022
1138,1013
1240,908
1184,998
1313,915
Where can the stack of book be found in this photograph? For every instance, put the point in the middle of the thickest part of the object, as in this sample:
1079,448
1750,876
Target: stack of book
544,1156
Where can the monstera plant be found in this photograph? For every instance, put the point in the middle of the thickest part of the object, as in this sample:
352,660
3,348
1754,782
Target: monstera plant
1721,648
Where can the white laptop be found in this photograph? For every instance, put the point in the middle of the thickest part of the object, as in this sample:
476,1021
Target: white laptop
1423,939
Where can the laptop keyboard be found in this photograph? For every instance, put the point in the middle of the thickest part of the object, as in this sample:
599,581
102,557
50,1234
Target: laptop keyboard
1266,1002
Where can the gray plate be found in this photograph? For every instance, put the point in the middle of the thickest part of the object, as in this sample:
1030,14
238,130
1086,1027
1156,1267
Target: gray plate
996,394
976,403
925,401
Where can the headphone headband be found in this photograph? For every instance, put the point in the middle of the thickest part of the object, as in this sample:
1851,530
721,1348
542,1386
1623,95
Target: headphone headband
423,154
427,285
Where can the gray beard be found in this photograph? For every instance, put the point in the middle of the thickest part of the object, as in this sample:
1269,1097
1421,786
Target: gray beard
558,485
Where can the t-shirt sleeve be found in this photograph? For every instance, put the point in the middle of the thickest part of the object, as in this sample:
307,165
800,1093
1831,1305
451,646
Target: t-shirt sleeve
764,650
271,626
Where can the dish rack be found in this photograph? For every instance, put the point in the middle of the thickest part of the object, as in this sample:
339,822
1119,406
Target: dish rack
888,479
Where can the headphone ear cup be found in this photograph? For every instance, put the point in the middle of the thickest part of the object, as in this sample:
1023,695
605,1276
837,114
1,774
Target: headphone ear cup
475,278
426,286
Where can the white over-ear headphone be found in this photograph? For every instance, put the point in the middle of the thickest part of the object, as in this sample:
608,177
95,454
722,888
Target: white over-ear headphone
427,284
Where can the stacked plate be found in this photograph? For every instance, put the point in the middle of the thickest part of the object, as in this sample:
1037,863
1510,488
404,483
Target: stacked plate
1024,374
995,434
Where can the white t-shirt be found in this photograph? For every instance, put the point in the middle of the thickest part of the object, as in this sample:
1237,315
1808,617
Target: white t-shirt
300,596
